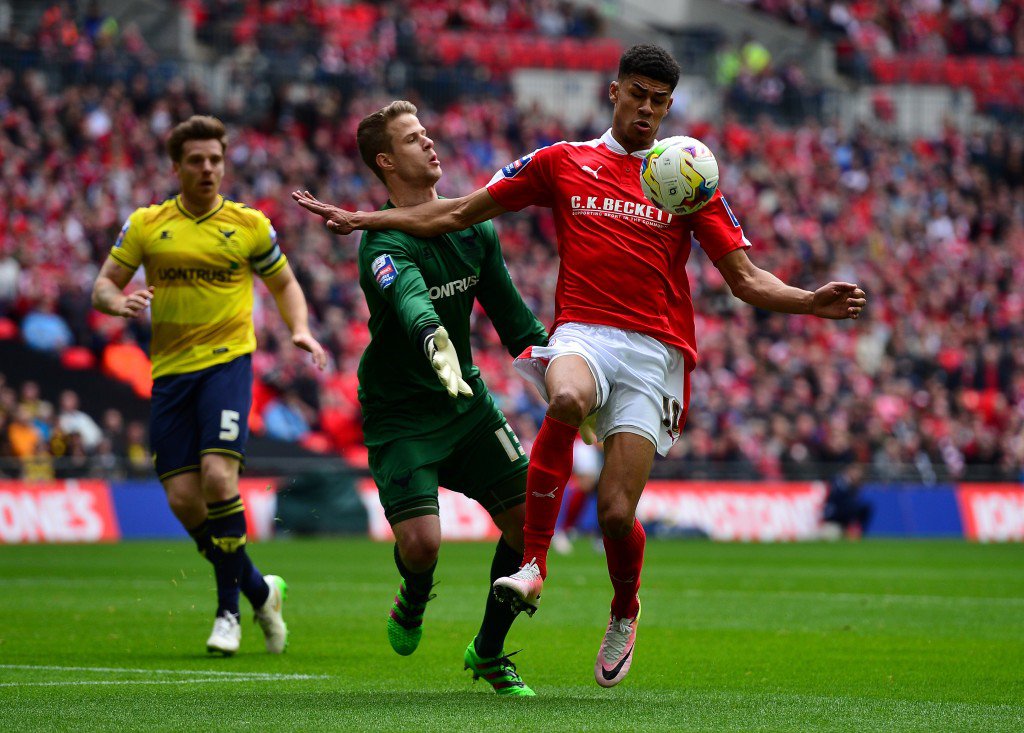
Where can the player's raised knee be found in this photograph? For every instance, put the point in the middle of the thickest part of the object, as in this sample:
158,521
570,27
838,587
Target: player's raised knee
616,520
421,554
568,405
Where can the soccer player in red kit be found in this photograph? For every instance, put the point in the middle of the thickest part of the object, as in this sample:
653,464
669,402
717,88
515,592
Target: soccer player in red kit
622,345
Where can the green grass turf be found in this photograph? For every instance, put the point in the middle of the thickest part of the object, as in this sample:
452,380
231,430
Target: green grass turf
873,636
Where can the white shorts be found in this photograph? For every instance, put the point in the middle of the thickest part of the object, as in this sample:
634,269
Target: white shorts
643,386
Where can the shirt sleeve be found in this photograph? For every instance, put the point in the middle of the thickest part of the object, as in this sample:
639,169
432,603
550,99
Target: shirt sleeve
716,228
127,249
266,259
525,182
515,323
385,263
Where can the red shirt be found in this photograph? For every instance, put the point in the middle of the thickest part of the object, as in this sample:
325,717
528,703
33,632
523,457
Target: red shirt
623,260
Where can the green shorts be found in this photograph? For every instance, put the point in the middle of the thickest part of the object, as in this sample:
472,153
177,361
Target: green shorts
478,455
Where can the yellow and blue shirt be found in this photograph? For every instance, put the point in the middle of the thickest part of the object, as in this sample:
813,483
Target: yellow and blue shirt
202,269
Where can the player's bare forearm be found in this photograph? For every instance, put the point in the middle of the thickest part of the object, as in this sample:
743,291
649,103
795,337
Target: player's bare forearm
429,219
106,297
762,289
108,294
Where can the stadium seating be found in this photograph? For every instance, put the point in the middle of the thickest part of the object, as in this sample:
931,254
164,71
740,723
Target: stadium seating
924,42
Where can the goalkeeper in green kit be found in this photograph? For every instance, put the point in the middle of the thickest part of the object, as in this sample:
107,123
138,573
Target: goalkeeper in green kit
428,417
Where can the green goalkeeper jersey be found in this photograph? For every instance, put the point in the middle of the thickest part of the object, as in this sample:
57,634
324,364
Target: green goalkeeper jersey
412,284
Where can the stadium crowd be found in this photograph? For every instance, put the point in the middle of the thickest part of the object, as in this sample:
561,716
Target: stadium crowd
930,27
270,22
41,441
927,385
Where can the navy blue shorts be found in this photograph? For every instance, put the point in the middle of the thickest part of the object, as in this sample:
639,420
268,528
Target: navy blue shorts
200,412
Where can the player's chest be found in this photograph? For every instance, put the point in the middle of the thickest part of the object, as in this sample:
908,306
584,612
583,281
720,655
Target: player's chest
451,264
201,244
603,193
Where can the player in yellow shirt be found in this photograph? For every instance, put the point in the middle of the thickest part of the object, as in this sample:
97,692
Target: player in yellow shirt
200,252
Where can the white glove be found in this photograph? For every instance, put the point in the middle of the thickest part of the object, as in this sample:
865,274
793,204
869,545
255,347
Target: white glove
446,363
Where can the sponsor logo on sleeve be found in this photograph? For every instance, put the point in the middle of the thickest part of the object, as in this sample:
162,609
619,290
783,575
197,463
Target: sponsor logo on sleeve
384,271
732,216
516,167
124,230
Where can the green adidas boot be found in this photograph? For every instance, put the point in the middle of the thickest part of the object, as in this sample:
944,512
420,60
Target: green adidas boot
499,671
405,623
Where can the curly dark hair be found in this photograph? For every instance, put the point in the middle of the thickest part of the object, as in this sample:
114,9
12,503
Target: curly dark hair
652,61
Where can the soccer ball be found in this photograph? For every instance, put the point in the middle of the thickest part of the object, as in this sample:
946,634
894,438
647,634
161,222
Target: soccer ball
679,175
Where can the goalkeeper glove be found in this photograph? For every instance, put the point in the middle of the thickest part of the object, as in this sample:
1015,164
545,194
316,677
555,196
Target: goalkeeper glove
445,362
588,430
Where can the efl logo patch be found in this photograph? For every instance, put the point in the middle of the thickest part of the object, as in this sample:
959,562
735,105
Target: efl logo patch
384,271
124,230
514,169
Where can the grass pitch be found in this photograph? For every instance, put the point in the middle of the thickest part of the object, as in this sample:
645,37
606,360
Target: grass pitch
875,636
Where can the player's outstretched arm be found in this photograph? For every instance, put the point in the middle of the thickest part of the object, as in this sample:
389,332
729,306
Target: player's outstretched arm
429,219
108,292
751,284
291,304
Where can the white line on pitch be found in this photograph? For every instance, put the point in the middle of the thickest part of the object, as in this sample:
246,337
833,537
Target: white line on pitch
853,597
66,683
205,672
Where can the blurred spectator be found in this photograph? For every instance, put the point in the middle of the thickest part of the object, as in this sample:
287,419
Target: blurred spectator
114,430
74,460
72,420
10,270
44,330
8,467
29,397
755,84
844,506
136,450
286,418
23,435
104,463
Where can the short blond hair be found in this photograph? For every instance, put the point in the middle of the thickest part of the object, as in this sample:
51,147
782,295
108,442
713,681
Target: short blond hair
372,135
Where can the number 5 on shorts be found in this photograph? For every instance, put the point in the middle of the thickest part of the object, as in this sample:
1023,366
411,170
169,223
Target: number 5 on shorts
228,425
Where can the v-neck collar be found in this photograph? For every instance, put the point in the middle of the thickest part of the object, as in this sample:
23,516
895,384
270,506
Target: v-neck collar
204,217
